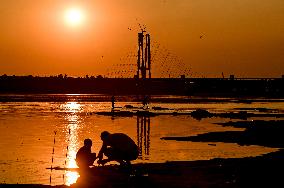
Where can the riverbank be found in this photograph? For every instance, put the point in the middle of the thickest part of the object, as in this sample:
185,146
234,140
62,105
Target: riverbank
246,172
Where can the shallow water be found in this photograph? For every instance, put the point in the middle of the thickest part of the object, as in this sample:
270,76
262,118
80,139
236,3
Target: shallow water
38,135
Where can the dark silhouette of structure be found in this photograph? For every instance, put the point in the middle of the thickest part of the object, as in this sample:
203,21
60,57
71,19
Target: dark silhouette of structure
143,56
143,76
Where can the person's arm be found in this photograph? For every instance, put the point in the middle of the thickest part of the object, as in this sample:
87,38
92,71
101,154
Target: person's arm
94,156
102,150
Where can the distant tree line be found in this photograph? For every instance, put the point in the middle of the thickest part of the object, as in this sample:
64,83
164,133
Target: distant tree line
59,76
235,87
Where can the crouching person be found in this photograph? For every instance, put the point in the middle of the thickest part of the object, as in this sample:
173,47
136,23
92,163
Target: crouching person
84,156
117,147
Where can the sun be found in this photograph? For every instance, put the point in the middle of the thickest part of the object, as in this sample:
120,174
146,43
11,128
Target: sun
74,17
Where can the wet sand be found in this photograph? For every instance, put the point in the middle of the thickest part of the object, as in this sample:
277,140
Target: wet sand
261,171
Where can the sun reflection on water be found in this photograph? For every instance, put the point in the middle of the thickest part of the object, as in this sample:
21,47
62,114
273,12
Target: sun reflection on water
72,107
72,141
71,177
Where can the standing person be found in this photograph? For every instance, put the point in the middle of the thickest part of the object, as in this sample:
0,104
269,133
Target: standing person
117,147
112,103
145,101
84,156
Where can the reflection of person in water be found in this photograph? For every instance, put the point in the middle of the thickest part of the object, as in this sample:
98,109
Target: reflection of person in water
84,156
117,147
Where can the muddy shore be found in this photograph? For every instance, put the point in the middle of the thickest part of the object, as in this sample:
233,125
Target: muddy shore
259,132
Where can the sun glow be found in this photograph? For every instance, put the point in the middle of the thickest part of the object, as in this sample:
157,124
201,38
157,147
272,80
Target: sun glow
72,107
74,17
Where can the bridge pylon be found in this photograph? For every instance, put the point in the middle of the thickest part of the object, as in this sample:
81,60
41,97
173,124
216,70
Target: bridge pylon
143,56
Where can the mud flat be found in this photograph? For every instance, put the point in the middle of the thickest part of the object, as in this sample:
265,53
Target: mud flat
259,132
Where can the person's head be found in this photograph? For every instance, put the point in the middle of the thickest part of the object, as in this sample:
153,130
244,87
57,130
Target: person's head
88,142
104,135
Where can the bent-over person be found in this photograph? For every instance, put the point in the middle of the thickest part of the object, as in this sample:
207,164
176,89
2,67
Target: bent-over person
117,147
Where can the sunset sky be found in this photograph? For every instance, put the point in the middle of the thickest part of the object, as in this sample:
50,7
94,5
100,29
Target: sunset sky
240,37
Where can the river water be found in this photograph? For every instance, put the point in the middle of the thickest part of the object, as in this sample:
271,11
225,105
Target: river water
42,131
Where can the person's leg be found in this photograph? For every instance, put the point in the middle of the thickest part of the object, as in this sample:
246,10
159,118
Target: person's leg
110,154
116,155
91,159
131,155
128,157
128,162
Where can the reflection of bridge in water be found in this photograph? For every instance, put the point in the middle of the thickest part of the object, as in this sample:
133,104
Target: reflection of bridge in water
143,137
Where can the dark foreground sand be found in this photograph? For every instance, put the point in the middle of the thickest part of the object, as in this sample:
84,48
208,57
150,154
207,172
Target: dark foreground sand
262,171
247,172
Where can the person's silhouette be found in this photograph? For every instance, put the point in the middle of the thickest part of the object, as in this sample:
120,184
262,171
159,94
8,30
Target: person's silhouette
112,102
145,101
117,147
84,156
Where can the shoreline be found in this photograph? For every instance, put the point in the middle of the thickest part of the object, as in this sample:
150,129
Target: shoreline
155,98
237,172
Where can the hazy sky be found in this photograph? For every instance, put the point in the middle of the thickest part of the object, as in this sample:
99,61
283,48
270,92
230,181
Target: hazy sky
241,37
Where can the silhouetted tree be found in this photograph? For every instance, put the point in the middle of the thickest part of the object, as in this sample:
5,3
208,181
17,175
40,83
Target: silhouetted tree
60,76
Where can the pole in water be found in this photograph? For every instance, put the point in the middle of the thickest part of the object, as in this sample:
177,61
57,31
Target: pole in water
52,157
112,103
67,149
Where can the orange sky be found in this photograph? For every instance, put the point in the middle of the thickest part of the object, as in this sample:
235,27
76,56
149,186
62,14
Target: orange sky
241,37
